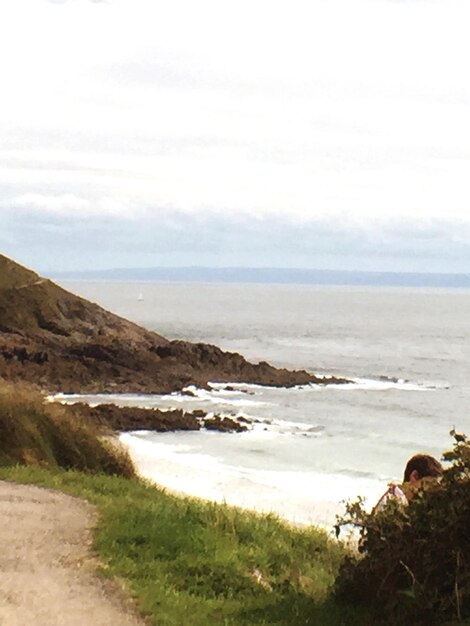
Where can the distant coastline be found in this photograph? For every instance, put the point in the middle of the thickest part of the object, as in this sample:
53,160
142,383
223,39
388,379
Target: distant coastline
269,275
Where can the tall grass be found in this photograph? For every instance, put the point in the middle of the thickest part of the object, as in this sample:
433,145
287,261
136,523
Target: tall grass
33,432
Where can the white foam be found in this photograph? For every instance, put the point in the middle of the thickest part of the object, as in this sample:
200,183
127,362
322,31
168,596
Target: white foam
370,384
264,428
297,426
252,387
212,396
132,399
218,398
239,386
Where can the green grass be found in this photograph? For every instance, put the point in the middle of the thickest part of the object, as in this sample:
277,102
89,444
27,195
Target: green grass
187,561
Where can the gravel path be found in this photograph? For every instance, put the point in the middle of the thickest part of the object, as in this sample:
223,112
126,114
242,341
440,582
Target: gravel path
47,570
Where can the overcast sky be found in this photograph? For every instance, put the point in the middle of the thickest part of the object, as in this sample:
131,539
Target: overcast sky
302,133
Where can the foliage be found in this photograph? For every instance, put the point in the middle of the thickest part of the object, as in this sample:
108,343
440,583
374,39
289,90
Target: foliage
414,561
33,432
188,561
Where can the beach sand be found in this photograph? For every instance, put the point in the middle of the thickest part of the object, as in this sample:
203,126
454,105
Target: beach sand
223,485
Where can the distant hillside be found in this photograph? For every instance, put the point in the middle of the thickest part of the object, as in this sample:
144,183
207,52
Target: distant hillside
273,275
62,342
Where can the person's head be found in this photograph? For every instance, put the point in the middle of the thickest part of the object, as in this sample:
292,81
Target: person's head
421,466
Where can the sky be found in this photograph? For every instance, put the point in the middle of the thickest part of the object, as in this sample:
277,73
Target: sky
329,134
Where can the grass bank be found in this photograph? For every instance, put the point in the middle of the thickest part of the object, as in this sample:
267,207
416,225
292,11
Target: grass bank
191,562
41,434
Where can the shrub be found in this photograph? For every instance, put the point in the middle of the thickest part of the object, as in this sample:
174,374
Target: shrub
33,432
413,565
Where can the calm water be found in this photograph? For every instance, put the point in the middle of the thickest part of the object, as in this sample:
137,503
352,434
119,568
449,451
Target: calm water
407,351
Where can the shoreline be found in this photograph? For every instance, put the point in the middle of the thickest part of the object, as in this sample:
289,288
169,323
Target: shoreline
173,478
177,461
202,477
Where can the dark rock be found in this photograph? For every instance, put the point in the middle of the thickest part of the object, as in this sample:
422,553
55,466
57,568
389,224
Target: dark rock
188,392
224,424
118,418
135,418
244,420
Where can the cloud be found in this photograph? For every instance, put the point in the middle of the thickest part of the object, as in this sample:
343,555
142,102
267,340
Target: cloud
177,238
67,1
65,206
340,112
62,205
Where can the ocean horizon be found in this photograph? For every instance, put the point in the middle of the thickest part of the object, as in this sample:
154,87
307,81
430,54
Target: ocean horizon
271,275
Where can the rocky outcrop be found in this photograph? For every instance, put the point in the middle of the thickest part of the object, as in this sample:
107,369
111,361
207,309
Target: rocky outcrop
224,424
61,342
135,418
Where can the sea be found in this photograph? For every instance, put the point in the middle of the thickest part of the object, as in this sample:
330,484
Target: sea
311,448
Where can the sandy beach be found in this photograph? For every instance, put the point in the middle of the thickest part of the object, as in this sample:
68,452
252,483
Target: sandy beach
221,485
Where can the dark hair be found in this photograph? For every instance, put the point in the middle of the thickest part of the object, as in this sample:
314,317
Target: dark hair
424,465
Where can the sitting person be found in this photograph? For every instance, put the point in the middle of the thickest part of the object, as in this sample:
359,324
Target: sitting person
420,470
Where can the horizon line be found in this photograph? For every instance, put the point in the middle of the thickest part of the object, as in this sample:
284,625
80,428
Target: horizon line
251,268
271,275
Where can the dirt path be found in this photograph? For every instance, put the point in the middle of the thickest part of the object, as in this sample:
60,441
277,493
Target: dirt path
47,571
39,281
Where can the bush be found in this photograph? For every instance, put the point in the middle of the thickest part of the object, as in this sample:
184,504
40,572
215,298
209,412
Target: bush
413,566
33,432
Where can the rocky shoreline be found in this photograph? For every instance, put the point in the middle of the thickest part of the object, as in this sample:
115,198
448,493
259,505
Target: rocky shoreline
60,342
124,419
